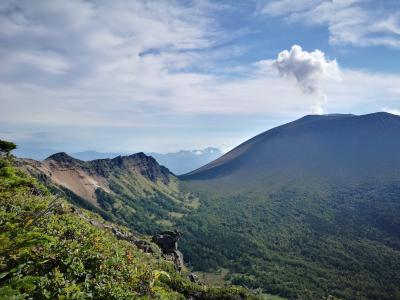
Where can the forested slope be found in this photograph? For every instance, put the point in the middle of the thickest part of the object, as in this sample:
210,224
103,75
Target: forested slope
307,209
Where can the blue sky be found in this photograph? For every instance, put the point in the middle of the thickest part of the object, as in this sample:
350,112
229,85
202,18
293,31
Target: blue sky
168,75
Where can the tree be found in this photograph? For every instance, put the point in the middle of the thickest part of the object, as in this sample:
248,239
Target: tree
6,147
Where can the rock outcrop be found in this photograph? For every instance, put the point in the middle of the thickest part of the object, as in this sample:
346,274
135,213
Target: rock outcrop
168,243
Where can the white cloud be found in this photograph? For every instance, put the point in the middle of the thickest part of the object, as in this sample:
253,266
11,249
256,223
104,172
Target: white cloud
391,110
47,61
350,22
123,65
78,53
282,7
309,69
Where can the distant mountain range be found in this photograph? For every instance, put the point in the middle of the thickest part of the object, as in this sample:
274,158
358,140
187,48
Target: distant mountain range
33,152
92,155
185,161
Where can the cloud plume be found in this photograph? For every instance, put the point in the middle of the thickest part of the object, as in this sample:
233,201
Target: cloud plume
309,69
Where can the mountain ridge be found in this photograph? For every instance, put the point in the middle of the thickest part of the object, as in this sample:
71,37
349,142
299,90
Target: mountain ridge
133,189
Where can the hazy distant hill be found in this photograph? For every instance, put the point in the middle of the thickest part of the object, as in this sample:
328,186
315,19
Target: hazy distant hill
29,151
185,161
307,209
92,155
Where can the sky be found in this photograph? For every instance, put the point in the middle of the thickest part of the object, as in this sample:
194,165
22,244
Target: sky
161,76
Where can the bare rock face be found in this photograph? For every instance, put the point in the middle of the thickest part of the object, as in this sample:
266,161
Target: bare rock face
168,243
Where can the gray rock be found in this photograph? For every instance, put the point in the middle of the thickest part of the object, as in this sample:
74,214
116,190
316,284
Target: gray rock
193,278
168,243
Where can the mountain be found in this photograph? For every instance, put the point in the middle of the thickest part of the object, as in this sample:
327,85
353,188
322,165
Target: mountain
309,209
318,146
133,190
51,249
185,161
178,162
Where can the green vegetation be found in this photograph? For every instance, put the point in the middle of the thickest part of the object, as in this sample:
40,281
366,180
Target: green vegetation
342,243
133,191
48,251
6,147
141,206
